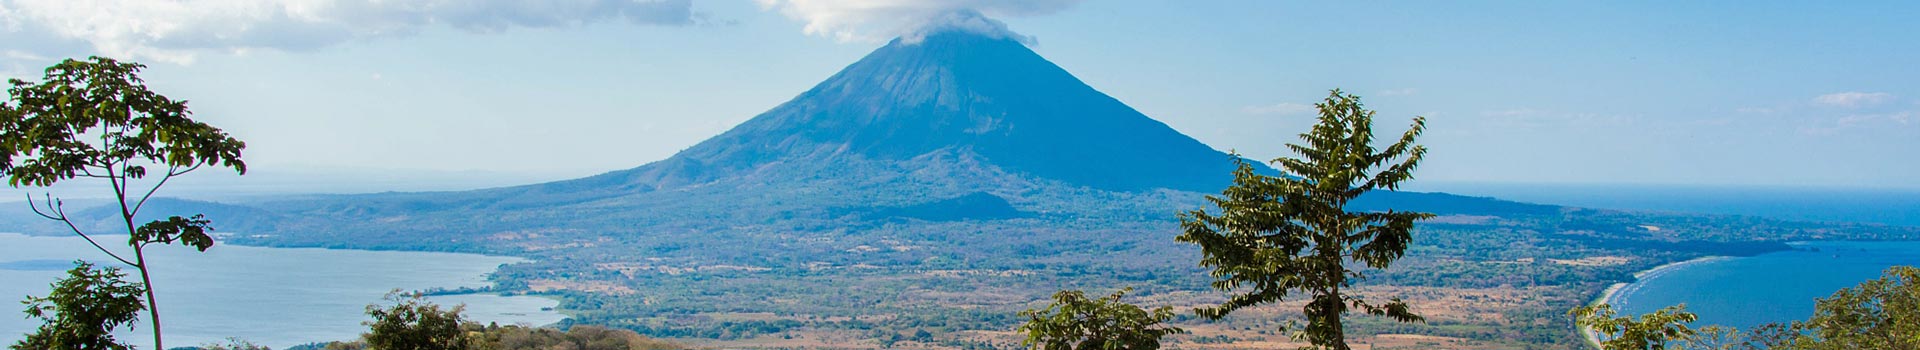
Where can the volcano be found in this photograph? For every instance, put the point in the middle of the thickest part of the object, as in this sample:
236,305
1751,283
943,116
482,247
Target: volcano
950,127
952,94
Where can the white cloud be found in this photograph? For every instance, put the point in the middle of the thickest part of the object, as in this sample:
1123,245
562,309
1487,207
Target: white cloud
1287,108
1515,112
876,20
1865,122
1534,118
1853,99
1885,119
23,55
1399,92
178,30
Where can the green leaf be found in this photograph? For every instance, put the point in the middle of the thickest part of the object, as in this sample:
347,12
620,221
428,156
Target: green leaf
192,232
1274,236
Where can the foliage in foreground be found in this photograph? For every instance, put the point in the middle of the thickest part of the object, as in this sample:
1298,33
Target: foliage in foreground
1074,322
1877,314
413,323
1278,235
514,337
1651,331
96,119
83,310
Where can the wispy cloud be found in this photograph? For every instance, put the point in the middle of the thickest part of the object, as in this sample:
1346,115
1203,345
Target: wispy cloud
875,20
22,55
1532,118
178,30
1512,112
1853,99
1287,108
1399,92
1864,121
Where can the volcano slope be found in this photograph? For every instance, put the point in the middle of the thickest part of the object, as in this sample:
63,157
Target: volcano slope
940,185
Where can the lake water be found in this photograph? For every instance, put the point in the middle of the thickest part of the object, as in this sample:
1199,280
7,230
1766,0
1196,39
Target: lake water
1776,287
277,297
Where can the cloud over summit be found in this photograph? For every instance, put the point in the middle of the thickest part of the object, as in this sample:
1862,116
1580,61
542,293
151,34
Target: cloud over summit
879,20
177,30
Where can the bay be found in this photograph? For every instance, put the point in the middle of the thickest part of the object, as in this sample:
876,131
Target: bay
277,297
1776,287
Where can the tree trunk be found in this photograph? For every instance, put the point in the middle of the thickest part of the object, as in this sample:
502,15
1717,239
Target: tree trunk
139,254
153,307
1339,329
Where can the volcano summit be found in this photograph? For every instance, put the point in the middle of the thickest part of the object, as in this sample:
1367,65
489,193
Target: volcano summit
960,95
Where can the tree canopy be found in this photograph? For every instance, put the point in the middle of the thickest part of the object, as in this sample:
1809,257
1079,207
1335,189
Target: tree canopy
1074,322
83,310
1877,314
96,119
1278,235
1652,331
412,323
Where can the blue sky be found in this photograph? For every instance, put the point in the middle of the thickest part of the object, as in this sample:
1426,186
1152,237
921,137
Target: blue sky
504,91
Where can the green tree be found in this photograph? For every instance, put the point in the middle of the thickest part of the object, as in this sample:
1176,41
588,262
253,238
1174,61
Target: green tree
1877,314
1773,336
1652,331
1074,322
1717,338
83,310
413,323
95,119
1277,235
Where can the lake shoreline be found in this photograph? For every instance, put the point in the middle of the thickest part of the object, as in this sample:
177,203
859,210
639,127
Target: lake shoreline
1613,291
328,288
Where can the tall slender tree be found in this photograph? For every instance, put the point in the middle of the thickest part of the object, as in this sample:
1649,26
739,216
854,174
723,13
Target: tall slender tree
96,119
1278,235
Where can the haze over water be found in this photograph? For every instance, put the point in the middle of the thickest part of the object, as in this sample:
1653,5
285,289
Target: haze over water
277,297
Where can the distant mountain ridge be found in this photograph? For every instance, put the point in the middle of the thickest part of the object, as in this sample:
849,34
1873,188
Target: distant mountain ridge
957,126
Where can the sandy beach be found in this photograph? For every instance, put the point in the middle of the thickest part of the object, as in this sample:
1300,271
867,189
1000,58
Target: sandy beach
1614,292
